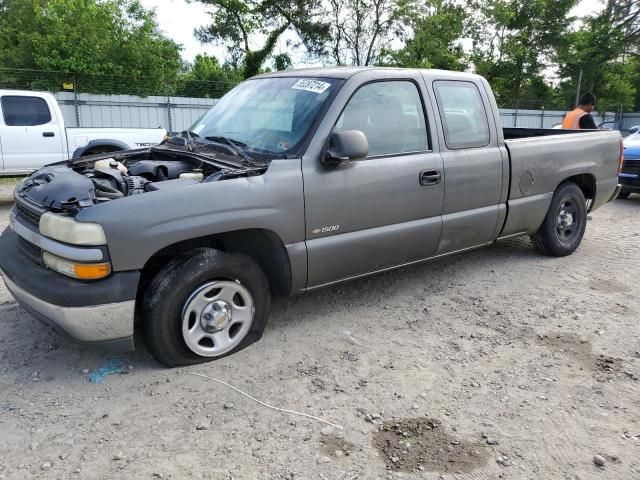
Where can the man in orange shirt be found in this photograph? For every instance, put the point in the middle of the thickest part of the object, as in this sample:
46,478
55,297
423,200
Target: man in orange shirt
580,118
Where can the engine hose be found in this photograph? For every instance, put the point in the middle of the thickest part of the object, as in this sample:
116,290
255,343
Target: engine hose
214,177
108,191
107,188
113,195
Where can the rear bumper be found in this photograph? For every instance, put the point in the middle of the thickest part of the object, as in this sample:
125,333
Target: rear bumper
99,313
615,193
630,182
606,191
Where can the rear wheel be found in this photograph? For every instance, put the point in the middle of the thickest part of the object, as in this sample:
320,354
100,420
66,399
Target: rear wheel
624,194
205,304
565,223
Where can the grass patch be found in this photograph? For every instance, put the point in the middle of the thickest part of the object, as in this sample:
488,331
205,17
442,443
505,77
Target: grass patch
10,180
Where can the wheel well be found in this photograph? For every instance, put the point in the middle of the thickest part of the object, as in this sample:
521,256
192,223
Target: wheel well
264,246
586,182
101,149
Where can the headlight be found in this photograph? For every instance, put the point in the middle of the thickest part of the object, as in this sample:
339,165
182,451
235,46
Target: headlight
81,271
67,230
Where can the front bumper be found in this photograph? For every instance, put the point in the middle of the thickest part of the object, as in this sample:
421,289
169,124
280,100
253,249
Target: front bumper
629,177
627,186
99,313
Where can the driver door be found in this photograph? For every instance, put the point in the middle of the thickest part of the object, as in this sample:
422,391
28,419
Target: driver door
384,210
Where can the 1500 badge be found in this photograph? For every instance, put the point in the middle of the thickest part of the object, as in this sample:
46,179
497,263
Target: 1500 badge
329,229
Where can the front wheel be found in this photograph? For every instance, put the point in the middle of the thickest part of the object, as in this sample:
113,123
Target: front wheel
565,223
204,305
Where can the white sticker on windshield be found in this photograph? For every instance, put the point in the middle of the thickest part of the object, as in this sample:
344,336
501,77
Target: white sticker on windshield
315,86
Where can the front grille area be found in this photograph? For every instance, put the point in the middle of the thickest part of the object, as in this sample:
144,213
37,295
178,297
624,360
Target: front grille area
29,215
631,166
30,250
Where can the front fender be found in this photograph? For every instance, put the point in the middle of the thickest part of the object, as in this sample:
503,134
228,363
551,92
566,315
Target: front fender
138,226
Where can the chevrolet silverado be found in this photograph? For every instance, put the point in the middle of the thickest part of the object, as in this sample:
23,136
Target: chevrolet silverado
294,181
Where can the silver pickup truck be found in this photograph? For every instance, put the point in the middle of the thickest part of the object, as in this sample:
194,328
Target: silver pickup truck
293,181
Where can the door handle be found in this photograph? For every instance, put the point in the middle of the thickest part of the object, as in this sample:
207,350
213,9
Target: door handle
430,177
48,134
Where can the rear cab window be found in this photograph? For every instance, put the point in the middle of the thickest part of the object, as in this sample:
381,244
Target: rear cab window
22,111
463,114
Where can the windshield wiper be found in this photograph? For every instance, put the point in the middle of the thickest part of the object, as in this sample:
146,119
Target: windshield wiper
190,134
237,146
186,139
227,140
191,138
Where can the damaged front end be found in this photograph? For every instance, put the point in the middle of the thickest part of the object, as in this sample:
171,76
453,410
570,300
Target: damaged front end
67,187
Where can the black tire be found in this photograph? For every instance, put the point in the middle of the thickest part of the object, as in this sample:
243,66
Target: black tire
555,238
624,194
165,300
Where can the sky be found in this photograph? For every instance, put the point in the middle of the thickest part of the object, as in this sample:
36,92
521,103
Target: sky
178,19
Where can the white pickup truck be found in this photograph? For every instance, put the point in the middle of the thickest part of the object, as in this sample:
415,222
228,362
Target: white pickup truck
32,134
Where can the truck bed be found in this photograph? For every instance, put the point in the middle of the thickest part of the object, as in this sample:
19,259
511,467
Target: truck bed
514,133
541,161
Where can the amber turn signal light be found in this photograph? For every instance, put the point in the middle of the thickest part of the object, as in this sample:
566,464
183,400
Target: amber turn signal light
81,271
91,271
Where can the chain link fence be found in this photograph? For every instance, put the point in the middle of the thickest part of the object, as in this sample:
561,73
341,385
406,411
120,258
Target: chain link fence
179,85
118,101
531,113
176,103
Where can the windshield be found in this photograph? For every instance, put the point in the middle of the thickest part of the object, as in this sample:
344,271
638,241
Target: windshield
268,114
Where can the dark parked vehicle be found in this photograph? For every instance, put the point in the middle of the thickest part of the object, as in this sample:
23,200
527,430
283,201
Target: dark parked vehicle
630,172
294,181
618,125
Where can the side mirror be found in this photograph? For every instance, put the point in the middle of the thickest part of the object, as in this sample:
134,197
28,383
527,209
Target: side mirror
634,129
346,145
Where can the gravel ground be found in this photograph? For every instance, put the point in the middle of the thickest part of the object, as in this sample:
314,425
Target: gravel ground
6,188
499,363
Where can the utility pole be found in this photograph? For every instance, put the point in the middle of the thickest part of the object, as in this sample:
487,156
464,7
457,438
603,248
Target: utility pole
578,89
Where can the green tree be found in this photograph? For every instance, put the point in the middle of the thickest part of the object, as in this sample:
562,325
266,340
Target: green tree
243,23
360,29
625,15
206,77
282,61
434,30
514,41
635,65
107,46
600,49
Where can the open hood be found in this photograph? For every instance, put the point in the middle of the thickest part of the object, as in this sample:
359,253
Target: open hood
80,183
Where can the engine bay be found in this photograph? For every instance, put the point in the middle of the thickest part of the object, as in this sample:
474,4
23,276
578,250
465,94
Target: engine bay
75,184
112,179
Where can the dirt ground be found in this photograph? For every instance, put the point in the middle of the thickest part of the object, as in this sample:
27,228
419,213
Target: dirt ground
499,363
